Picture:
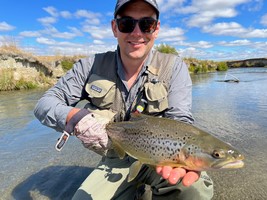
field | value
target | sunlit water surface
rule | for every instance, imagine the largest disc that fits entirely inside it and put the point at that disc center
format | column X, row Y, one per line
column 30, row 168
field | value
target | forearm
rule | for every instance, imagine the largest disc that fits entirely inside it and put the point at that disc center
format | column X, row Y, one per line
column 52, row 111
column 180, row 94
column 57, row 103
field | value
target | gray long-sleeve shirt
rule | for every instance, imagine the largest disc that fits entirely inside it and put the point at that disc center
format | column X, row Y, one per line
column 53, row 107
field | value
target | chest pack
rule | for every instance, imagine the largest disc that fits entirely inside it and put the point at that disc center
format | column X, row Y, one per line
column 104, row 86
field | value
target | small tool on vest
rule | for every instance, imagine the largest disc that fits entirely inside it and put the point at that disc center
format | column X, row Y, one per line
column 140, row 107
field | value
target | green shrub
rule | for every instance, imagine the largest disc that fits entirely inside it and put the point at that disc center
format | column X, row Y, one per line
column 7, row 81
column 222, row 66
column 67, row 65
column 164, row 48
column 22, row 84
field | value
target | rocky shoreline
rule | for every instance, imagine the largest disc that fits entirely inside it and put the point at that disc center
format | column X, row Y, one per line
column 22, row 67
column 253, row 62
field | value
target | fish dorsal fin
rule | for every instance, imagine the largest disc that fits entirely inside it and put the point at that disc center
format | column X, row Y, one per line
column 137, row 116
column 134, row 170
column 121, row 153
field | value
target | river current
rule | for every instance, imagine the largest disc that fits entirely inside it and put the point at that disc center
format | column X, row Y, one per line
column 30, row 168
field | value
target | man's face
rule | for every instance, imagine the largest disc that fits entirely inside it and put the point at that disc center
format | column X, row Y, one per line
column 136, row 45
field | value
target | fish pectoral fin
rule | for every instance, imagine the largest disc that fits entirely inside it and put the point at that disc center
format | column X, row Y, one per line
column 121, row 153
column 134, row 170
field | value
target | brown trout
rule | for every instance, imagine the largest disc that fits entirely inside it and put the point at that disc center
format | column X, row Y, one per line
column 165, row 142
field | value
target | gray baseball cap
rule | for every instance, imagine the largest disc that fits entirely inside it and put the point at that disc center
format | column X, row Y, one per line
column 121, row 3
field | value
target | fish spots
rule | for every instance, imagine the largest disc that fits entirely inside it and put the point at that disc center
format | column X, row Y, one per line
column 192, row 149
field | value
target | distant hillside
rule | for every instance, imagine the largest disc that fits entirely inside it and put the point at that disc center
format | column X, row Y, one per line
column 254, row 62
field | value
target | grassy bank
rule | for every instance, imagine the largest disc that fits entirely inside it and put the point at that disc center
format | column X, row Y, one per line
column 23, row 70
column 205, row 66
column 8, row 81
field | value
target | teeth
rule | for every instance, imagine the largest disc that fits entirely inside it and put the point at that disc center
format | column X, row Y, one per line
column 136, row 42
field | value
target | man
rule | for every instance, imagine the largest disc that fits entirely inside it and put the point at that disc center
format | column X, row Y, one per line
column 116, row 84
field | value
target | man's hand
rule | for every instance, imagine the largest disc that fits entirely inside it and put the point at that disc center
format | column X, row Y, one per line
column 91, row 131
column 173, row 175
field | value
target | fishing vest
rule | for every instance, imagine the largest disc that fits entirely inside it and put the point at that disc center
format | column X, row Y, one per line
column 104, row 86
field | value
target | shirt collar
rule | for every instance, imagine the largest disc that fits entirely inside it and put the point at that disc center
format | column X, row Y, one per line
column 120, row 69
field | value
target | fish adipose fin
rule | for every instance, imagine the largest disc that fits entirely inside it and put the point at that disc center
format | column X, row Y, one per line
column 134, row 170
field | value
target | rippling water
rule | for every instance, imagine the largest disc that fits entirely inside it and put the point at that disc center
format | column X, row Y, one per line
column 234, row 112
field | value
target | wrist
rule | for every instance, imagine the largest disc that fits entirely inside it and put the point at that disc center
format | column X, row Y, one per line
column 73, row 118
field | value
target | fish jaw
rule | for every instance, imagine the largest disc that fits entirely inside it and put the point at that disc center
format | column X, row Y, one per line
column 234, row 165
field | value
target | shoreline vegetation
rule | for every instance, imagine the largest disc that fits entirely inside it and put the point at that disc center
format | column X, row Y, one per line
column 23, row 70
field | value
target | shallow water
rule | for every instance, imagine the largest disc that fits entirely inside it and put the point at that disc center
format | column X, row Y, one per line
column 235, row 112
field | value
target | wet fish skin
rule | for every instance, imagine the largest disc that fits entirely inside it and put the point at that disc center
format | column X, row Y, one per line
column 161, row 141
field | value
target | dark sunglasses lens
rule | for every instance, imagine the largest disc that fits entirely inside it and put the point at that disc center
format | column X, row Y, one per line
column 126, row 25
column 147, row 25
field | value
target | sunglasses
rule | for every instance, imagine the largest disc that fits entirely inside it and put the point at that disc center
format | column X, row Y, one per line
column 127, row 24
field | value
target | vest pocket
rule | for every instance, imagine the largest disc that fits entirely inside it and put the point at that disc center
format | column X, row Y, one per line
column 156, row 94
column 100, row 91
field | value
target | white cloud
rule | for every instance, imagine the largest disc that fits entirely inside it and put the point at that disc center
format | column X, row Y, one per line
column 47, row 20
column 234, row 29
column 203, row 12
column 255, row 5
column 30, row 34
column 71, row 48
column 264, row 20
column 6, row 27
column 98, row 42
column 75, row 31
column 52, row 31
column 47, row 41
column 66, row 14
column 98, row 32
column 170, row 34
column 235, row 43
column 195, row 45
column 166, row 5
column 87, row 14
column 51, row 10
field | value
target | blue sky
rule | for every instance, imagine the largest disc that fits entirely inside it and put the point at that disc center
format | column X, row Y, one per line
column 204, row 29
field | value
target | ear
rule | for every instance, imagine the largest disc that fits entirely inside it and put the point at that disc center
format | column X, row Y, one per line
column 114, row 28
column 157, row 30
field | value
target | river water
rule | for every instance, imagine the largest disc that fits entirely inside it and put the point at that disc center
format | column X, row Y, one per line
column 30, row 168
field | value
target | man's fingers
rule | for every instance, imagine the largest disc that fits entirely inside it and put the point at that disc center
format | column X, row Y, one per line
column 159, row 170
column 189, row 178
column 173, row 175
column 166, row 171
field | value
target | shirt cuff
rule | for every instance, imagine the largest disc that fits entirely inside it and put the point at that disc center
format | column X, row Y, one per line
column 74, row 120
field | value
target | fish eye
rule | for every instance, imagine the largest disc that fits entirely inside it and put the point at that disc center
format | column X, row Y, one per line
column 218, row 154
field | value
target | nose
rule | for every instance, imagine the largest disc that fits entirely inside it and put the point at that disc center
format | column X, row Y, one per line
column 137, row 30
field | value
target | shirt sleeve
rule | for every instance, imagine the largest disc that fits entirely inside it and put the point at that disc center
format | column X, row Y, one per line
column 53, row 107
column 180, row 93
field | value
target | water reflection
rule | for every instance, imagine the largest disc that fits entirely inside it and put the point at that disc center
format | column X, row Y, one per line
column 16, row 106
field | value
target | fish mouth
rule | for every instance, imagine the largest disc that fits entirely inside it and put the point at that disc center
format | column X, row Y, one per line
column 233, row 165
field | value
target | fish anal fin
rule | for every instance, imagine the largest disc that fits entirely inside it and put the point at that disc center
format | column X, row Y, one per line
column 134, row 170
